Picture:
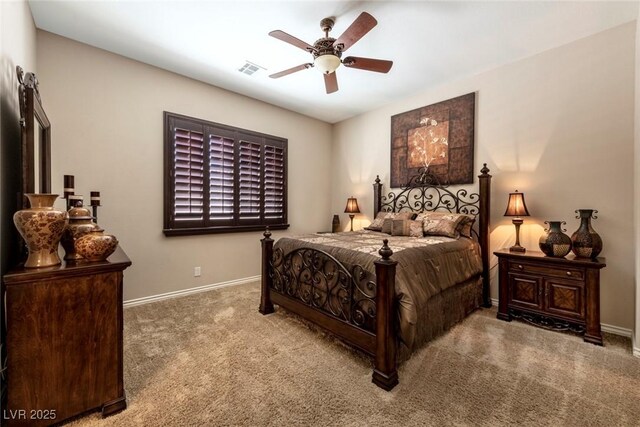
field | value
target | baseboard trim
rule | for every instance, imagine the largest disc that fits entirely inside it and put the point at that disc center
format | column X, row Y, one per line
column 636, row 346
column 616, row 330
column 189, row 291
column 610, row 329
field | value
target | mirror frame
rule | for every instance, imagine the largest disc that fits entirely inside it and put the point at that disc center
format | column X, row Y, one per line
column 31, row 111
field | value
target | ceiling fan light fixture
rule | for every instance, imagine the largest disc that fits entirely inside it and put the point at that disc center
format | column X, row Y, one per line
column 327, row 64
column 327, row 51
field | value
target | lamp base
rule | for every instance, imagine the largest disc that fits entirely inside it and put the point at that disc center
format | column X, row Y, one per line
column 517, row 248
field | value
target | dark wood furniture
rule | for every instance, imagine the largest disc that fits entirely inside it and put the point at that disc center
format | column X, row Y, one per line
column 423, row 193
column 64, row 343
column 555, row 293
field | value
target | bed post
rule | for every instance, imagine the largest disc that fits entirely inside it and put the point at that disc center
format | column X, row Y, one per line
column 385, row 373
column 485, row 213
column 377, row 196
column 266, row 306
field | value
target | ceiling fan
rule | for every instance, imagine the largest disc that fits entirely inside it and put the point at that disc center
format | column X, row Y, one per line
column 327, row 51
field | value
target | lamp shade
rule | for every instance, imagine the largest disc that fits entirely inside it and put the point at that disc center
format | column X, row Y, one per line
column 516, row 205
column 352, row 206
column 326, row 64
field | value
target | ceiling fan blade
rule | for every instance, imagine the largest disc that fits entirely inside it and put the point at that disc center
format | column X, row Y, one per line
column 291, row 70
column 369, row 64
column 361, row 26
column 331, row 82
column 281, row 35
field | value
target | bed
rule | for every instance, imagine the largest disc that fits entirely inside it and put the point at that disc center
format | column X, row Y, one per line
column 386, row 295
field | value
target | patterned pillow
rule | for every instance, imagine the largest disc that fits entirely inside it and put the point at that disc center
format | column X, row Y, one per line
column 376, row 225
column 406, row 227
column 465, row 225
column 441, row 223
column 387, row 225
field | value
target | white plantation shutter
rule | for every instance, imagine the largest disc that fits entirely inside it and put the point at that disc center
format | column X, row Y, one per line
column 222, row 179
column 188, row 175
column 249, row 182
column 274, row 182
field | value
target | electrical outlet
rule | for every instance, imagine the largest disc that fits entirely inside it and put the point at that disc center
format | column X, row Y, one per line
column 196, row 272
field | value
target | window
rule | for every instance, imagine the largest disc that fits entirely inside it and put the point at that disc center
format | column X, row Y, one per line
column 222, row 179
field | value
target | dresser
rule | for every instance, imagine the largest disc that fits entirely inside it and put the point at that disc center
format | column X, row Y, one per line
column 64, row 341
column 555, row 293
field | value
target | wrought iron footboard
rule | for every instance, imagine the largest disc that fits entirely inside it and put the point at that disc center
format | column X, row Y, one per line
column 318, row 280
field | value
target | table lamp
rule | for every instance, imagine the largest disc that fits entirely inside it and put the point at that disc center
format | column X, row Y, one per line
column 516, row 207
column 352, row 209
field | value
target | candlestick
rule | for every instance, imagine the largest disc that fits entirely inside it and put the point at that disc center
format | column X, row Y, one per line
column 69, row 188
column 95, row 202
column 95, row 198
column 75, row 200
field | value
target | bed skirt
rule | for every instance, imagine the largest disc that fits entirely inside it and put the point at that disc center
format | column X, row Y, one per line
column 442, row 312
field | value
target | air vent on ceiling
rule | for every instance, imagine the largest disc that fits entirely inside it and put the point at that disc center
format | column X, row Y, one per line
column 250, row 68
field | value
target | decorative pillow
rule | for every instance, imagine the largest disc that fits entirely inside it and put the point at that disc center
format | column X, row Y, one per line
column 404, row 215
column 441, row 223
column 465, row 226
column 387, row 225
column 376, row 225
column 406, row 227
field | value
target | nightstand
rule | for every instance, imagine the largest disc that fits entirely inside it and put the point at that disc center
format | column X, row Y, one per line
column 555, row 293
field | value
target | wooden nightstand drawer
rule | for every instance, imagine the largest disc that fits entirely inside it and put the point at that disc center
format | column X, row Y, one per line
column 546, row 270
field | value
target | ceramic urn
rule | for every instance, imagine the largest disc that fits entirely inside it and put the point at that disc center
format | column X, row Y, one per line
column 80, row 223
column 41, row 226
column 95, row 245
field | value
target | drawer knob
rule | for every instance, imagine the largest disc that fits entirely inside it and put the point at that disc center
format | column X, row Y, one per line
column 568, row 273
column 520, row 266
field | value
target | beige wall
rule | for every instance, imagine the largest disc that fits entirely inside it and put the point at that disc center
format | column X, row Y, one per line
column 557, row 126
column 106, row 113
column 17, row 47
column 636, row 192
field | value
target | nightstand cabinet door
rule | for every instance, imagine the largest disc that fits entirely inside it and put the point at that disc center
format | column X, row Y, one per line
column 525, row 291
column 565, row 298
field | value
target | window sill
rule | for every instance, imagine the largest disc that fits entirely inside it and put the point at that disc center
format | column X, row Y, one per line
column 169, row 232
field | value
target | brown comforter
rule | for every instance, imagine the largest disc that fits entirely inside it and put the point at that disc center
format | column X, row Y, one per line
column 426, row 266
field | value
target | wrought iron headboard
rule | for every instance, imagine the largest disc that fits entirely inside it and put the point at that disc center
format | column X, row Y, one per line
column 425, row 193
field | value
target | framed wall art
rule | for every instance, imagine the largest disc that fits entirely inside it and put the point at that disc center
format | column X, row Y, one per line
column 439, row 137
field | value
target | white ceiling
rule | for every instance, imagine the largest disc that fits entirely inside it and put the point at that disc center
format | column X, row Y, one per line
column 429, row 42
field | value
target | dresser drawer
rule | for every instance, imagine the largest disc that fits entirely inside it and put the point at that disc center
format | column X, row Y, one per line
column 546, row 270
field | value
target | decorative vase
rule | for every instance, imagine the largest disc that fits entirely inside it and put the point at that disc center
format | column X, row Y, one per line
column 41, row 227
column 95, row 245
column 555, row 243
column 80, row 223
column 335, row 224
column 586, row 242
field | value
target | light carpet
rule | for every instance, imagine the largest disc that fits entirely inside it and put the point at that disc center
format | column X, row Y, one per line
column 211, row 359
